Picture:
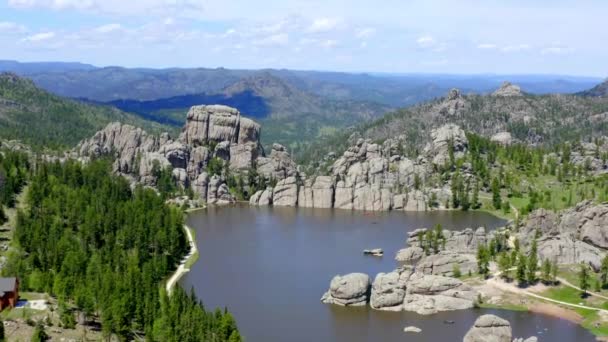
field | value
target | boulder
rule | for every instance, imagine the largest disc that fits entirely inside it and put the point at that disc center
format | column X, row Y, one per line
column 348, row 290
column 410, row 254
column 444, row 263
column 429, row 294
column 489, row 328
column 286, row 193
column 412, row 329
column 388, row 290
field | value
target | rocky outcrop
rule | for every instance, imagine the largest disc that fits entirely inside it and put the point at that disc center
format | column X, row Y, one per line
column 489, row 328
column 445, row 262
column 572, row 236
column 429, row 294
column 285, row 193
column 388, row 290
column 212, row 131
column 348, row 290
column 507, row 90
column 410, row 254
column 446, row 138
column 402, row 289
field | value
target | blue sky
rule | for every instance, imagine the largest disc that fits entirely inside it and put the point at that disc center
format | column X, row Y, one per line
column 432, row 36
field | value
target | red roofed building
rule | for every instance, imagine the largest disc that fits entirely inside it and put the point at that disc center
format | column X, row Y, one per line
column 9, row 292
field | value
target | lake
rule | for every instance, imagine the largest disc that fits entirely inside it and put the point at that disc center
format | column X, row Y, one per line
column 270, row 267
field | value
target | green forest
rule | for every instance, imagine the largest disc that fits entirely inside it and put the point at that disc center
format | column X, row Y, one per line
column 103, row 250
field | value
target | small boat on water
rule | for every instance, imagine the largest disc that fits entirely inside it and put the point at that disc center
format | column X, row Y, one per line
column 448, row 322
column 374, row 252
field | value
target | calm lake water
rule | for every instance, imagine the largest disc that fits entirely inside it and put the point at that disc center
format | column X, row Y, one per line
column 270, row 266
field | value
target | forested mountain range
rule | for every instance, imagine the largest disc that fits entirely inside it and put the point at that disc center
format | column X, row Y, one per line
column 295, row 107
column 43, row 120
column 600, row 90
column 534, row 119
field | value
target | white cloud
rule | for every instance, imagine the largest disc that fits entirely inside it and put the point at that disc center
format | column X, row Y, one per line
column 555, row 50
column 487, row 46
column 108, row 28
column 365, row 33
column 11, row 27
column 38, row 37
column 425, row 41
column 329, row 43
column 515, row 48
column 273, row 40
column 323, row 25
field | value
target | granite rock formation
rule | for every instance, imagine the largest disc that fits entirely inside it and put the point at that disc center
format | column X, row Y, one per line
column 212, row 131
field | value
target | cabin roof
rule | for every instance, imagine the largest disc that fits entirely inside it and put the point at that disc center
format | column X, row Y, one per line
column 7, row 285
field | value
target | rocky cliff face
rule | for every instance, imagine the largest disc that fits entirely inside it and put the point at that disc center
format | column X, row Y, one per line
column 211, row 132
column 370, row 176
column 572, row 236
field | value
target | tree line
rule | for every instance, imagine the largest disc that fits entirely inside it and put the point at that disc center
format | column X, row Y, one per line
column 104, row 250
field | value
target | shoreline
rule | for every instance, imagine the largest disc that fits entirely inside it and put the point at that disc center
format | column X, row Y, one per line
column 186, row 263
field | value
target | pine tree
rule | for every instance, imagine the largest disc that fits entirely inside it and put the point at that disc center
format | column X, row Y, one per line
column 546, row 272
column 475, row 200
column 604, row 271
column 583, row 278
column 522, row 265
column 496, row 199
column 504, row 265
column 532, row 263
column 483, row 260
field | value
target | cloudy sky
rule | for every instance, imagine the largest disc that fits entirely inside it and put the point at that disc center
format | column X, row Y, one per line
column 430, row 36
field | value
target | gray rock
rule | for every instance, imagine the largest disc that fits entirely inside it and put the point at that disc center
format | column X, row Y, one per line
column 507, row 90
column 489, row 328
column 441, row 138
column 429, row 294
column 199, row 185
column 348, row 290
column 323, row 192
column 388, row 290
column 444, row 263
column 286, row 193
column 410, row 254
column 412, row 329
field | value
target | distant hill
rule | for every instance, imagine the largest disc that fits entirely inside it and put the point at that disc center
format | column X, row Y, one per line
column 600, row 90
column 289, row 115
column 42, row 67
column 545, row 120
column 47, row 121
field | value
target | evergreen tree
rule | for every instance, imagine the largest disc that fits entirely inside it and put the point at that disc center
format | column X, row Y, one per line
column 475, row 200
column 504, row 265
column 604, row 272
column 456, row 273
column 583, row 278
column 522, row 265
column 496, row 199
column 546, row 272
column 483, row 260
column 532, row 263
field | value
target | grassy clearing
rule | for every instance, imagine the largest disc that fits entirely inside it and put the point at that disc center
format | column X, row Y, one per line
column 592, row 320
